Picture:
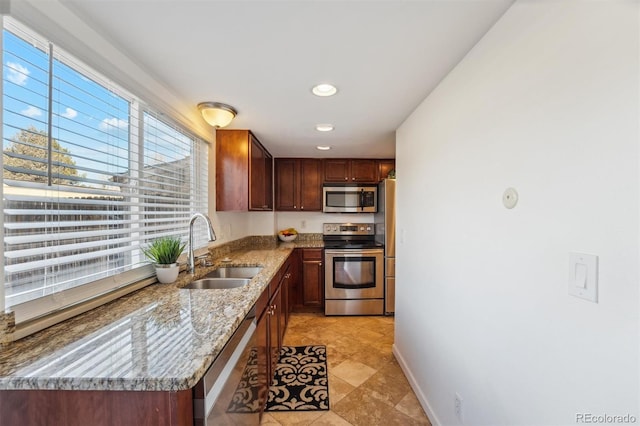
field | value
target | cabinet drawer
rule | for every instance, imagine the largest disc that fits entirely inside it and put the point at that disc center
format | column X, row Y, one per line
column 312, row 254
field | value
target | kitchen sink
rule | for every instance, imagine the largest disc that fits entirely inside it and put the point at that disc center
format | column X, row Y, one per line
column 217, row 283
column 235, row 272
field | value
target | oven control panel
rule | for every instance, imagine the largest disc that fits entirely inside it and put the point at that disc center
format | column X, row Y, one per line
column 348, row 229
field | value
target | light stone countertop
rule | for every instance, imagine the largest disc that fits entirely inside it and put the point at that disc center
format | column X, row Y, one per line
column 159, row 338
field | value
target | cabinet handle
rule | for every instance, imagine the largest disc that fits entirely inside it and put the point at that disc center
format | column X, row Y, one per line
column 353, row 178
column 294, row 206
column 301, row 207
column 319, row 263
column 346, row 178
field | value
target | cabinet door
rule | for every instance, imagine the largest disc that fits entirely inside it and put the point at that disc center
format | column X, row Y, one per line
column 275, row 336
column 286, row 184
column 364, row 171
column 257, row 173
column 312, row 278
column 232, row 170
column 295, row 283
column 263, row 358
column 310, row 187
column 268, row 180
column 336, row 170
column 384, row 167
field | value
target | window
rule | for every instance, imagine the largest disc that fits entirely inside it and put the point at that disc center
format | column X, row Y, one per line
column 89, row 175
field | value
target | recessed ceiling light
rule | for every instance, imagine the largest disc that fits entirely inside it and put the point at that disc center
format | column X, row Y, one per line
column 324, row 89
column 323, row 147
column 324, row 127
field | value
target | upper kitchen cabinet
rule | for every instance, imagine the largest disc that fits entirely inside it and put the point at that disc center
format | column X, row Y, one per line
column 298, row 184
column 243, row 172
column 384, row 167
column 341, row 170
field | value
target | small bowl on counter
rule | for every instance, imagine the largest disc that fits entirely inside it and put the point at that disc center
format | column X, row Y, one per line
column 287, row 238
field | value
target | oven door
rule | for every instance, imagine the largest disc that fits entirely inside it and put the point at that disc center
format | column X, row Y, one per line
column 354, row 274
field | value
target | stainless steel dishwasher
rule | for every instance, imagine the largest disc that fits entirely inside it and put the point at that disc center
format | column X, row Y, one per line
column 228, row 392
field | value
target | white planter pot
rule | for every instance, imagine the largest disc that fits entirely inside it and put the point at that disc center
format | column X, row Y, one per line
column 167, row 273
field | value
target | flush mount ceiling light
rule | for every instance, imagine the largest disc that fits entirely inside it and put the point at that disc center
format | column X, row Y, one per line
column 324, row 127
column 323, row 147
column 324, row 89
column 216, row 114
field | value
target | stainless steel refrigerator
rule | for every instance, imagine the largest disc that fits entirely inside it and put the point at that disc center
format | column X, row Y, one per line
column 385, row 221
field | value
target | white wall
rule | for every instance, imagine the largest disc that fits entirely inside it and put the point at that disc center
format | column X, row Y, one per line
column 547, row 103
column 311, row 222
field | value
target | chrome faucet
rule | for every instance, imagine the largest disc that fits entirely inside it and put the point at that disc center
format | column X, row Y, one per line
column 191, row 267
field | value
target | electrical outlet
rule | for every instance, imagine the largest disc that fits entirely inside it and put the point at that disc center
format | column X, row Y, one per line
column 458, row 407
column 303, row 224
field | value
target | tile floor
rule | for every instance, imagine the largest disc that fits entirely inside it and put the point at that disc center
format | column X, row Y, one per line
column 366, row 384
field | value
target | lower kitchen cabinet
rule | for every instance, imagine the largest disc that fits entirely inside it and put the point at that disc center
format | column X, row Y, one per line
column 263, row 358
column 275, row 334
column 271, row 311
column 312, row 278
column 306, row 286
column 295, row 281
column 108, row 408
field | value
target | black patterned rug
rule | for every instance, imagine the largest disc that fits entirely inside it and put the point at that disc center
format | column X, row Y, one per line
column 300, row 382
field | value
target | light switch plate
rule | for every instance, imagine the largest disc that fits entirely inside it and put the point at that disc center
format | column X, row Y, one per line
column 583, row 276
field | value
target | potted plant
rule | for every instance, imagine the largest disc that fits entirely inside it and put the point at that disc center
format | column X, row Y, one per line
column 164, row 253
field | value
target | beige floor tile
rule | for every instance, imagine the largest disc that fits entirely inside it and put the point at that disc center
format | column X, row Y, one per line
column 338, row 389
column 374, row 358
column 410, row 406
column 387, row 388
column 353, row 372
column 365, row 335
column 331, row 419
column 268, row 420
column 297, row 418
column 361, row 408
column 366, row 384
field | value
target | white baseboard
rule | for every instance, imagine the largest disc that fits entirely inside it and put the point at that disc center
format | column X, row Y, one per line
column 416, row 389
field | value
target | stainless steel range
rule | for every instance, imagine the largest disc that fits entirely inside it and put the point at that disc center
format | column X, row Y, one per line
column 354, row 270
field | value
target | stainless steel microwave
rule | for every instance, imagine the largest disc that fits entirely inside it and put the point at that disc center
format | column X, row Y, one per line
column 350, row 199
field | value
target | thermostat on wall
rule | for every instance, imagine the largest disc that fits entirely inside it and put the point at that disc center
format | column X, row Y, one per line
column 510, row 198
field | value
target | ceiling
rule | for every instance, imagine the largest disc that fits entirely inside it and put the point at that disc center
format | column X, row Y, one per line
column 263, row 57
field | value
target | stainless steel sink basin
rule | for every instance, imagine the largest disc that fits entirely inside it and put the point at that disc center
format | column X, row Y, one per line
column 217, row 283
column 235, row 272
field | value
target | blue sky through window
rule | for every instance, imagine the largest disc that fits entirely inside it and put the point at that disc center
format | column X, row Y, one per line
column 89, row 120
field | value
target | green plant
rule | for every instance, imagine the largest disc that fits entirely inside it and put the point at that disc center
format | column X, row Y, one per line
column 165, row 250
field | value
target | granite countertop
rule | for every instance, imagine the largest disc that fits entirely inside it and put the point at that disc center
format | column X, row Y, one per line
column 159, row 338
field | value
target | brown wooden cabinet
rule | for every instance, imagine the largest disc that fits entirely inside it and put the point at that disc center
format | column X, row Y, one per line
column 384, row 167
column 271, row 311
column 263, row 354
column 306, row 289
column 295, row 281
column 312, row 278
column 244, row 170
column 350, row 170
column 298, row 184
column 98, row 407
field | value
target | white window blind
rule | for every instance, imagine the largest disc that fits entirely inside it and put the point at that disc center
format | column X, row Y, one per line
column 88, row 177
